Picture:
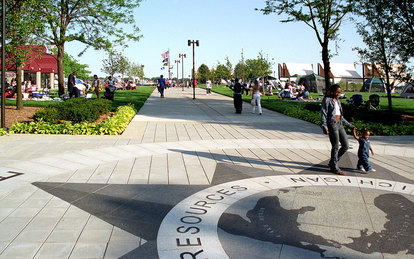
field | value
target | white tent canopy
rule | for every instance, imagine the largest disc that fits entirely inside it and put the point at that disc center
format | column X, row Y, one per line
column 345, row 71
column 300, row 69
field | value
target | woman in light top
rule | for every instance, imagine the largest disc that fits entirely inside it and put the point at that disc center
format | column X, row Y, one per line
column 256, row 93
column 332, row 125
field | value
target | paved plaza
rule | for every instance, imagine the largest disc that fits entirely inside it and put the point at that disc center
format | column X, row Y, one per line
column 192, row 179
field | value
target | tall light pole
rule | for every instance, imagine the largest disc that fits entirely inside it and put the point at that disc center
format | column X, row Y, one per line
column 176, row 63
column 182, row 56
column 3, row 66
column 197, row 43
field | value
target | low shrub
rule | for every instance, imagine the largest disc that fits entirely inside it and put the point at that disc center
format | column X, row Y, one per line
column 112, row 126
column 2, row 132
column 379, row 122
column 76, row 110
column 377, row 128
column 49, row 114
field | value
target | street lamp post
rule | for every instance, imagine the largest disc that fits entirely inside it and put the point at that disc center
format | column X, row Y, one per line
column 182, row 56
column 3, row 66
column 197, row 43
column 176, row 63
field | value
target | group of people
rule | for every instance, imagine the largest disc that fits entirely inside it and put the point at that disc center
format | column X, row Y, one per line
column 300, row 92
column 11, row 88
column 256, row 91
column 332, row 119
column 162, row 84
column 78, row 90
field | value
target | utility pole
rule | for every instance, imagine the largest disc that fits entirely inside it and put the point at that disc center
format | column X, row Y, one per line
column 182, row 56
column 3, row 65
column 197, row 43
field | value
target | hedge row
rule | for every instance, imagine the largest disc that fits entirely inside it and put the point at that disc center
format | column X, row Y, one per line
column 76, row 110
column 114, row 125
column 385, row 123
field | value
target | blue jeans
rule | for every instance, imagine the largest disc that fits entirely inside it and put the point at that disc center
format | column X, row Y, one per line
column 161, row 91
column 363, row 162
column 337, row 135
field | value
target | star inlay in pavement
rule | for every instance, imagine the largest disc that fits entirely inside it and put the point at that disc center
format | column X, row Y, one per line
column 334, row 218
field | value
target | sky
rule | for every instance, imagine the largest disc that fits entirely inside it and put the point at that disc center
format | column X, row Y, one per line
column 224, row 28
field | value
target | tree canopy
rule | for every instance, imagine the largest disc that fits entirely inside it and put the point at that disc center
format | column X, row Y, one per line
column 241, row 69
column 222, row 71
column 96, row 23
column 110, row 64
column 22, row 24
column 203, row 72
column 381, row 32
column 258, row 67
column 70, row 64
column 324, row 17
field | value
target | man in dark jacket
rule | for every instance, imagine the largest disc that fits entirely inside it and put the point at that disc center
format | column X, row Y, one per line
column 237, row 95
column 71, row 84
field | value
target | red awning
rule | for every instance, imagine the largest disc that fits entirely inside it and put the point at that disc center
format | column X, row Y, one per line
column 39, row 61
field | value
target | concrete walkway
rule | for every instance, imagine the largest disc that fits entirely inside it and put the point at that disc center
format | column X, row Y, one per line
column 171, row 142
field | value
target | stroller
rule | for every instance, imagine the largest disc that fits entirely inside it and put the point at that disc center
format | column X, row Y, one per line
column 110, row 92
column 356, row 100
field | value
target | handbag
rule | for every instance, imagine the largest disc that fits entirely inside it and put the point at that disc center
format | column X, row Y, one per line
column 253, row 102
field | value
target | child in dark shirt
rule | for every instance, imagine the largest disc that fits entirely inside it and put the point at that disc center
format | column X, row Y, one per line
column 363, row 151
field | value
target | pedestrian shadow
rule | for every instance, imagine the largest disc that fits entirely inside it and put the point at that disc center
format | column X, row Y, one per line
column 347, row 163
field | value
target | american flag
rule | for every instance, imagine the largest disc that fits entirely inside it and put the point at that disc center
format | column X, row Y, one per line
column 165, row 54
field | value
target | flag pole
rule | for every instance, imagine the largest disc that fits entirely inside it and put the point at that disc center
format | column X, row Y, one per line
column 169, row 75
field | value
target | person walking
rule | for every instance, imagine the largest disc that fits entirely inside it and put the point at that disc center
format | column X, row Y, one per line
column 237, row 95
column 71, row 84
column 363, row 151
column 332, row 125
column 96, row 85
column 208, row 86
column 161, row 85
column 256, row 93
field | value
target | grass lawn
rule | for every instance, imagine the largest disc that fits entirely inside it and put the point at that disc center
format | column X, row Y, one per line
column 398, row 104
column 122, row 97
column 379, row 122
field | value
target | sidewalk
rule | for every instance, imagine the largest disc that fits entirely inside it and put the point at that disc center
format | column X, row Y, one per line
column 113, row 196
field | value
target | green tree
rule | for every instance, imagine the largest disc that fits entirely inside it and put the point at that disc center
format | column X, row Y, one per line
column 203, row 73
column 96, row 23
column 324, row 17
column 379, row 33
column 222, row 72
column 403, row 24
column 22, row 24
column 229, row 67
column 70, row 64
column 259, row 66
column 110, row 64
column 213, row 74
column 123, row 65
column 136, row 70
column 241, row 69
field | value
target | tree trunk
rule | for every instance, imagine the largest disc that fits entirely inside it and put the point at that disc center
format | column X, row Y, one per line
column 61, row 73
column 388, row 87
column 326, row 64
column 19, row 94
